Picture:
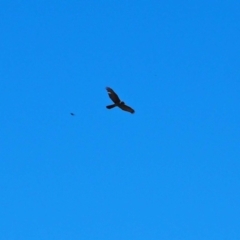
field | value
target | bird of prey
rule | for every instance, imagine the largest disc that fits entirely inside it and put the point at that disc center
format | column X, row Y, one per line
column 117, row 102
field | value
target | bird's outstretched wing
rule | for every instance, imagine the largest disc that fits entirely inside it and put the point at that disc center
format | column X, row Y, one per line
column 126, row 108
column 113, row 95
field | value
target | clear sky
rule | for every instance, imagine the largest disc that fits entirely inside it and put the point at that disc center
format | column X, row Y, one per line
column 170, row 171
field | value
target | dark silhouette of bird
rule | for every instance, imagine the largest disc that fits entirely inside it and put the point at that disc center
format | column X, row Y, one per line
column 73, row 114
column 117, row 102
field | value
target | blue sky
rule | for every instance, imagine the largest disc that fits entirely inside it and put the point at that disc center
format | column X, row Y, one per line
column 169, row 171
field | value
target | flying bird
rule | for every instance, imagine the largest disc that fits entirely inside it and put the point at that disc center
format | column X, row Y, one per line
column 117, row 102
column 73, row 114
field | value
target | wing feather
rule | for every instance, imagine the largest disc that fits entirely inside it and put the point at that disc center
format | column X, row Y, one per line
column 126, row 108
column 114, row 97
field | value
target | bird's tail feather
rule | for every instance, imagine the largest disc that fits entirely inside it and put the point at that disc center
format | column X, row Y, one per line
column 111, row 106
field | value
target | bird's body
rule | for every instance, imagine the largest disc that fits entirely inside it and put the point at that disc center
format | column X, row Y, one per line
column 117, row 102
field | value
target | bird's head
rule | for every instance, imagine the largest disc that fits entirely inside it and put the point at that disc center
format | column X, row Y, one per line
column 123, row 103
